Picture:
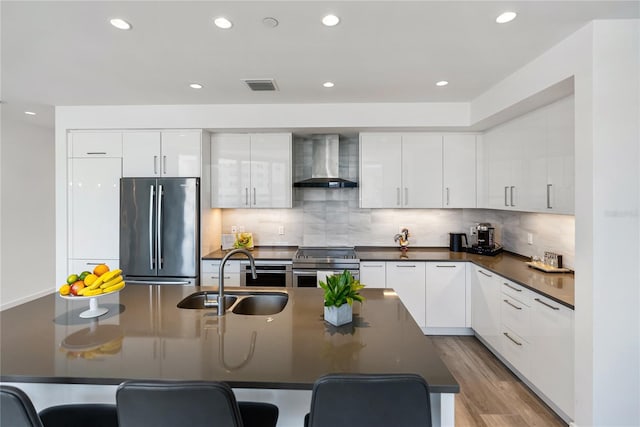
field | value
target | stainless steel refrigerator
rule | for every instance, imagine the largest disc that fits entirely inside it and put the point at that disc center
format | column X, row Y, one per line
column 160, row 230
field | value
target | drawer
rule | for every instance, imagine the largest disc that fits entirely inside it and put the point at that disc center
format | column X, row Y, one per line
column 212, row 266
column 516, row 350
column 211, row 278
column 77, row 266
column 515, row 291
column 96, row 144
column 515, row 315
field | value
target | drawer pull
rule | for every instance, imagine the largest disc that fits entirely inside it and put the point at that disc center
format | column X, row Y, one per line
column 446, row 266
column 512, row 305
column 511, row 287
column 96, row 153
column 406, row 266
column 372, row 266
column 548, row 305
column 486, row 274
column 514, row 341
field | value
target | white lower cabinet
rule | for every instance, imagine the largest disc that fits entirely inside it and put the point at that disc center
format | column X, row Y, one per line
column 515, row 315
column 485, row 306
column 373, row 274
column 210, row 273
column 552, row 351
column 408, row 280
column 445, row 294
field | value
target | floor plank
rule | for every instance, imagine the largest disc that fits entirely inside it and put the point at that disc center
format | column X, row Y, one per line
column 490, row 394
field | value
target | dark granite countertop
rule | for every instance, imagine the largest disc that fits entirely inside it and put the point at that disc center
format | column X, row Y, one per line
column 557, row 286
column 145, row 336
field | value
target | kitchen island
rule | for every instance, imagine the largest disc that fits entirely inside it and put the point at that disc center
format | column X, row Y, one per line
column 58, row 357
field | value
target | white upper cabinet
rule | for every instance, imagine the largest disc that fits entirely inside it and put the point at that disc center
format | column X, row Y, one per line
column 162, row 154
column 95, row 144
column 251, row 170
column 380, row 170
column 400, row 170
column 529, row 161
column 459, row 171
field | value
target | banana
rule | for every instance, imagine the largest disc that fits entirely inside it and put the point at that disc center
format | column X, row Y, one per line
column 97, row 282
column 111, row 282
column 115, row 287
column 110, row 275
column 90, row 293
column 82, row 291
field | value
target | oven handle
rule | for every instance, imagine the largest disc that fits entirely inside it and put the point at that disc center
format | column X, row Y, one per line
column 267, row 271
column 304, row 272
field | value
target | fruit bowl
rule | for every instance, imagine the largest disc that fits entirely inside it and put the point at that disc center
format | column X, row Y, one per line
column 94, row 310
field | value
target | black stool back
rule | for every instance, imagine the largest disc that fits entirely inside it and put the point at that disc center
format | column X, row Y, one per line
column 16, row 409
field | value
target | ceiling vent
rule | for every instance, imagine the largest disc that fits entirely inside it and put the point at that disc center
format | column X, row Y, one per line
column 259, row 85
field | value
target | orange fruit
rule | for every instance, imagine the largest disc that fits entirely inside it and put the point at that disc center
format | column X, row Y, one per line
column 90, row 279
column 65, row 289
column 100, row 269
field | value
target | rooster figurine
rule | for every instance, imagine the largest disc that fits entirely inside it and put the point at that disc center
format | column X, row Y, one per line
column 403, row 239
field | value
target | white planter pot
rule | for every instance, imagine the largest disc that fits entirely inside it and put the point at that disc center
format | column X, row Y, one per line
column 339, row 315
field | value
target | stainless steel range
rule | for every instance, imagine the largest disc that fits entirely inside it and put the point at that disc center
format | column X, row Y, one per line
column 311, row 262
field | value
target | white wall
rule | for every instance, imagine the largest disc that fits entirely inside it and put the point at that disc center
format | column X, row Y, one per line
column 27, row 218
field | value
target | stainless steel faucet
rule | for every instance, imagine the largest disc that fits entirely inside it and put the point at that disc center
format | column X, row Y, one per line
column 221, row 307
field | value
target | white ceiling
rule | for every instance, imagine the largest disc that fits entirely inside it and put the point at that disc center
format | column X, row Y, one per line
column 67, row 53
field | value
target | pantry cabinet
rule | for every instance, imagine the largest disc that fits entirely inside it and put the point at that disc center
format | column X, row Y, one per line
column 408, row 280
column 170, row 153
column 95, row 144
column 251, row 170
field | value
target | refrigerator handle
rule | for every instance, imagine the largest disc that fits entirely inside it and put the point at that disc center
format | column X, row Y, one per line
column 159, row 222
column 151, row 204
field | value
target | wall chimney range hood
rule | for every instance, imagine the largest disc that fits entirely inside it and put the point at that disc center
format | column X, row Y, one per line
column 325, row 165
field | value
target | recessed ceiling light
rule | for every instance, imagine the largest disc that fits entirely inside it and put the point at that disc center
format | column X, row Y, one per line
column 223, row 23
column 270, row 22
column 330, row 20
column 506, row 17
column 328, row 84
column 30, row 113
column 442, row 83
column 120, row 24
column 195, row 86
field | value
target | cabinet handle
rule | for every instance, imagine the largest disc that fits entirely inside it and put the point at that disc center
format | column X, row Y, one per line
column 164, row 164
column 246, row 196
column 155, row 165
column 254, row 196
column 506, row 190
column 511, row 287
column 549, row 196
column 511, row 191
column 512, row 305
column 514, row 341
column 486, row 274
column 93, row 263
column 398, row 196
column 370, row 265
column 406, row 196
column 96, row 153
column 405, row 266
column 448, row 196
column 548, row 305
column 446, row 266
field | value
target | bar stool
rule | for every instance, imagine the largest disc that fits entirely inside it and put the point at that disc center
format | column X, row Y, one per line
column 193, row 403
column 16, row 409
column 80, row 415
column 370, row 400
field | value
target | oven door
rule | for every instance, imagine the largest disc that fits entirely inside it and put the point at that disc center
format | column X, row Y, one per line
column 305, row 278
column 276, row 275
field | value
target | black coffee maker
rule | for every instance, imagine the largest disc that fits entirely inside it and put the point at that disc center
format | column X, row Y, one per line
column 486, row 244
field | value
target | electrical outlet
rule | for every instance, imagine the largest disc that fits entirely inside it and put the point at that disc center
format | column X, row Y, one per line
column 281, row 230
column 241, row 228
column 530, row 238
column 234, row 229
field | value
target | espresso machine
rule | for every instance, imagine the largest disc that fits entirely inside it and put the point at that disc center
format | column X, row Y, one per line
column 486, row 244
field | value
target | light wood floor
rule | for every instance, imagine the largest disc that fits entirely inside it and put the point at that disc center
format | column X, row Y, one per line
column 490, row 395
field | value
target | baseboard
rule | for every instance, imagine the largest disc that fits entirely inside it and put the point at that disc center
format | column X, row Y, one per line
column 447, row 331
column 24, row 299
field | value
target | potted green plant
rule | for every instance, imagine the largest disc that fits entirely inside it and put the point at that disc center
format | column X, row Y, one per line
column 340, row 291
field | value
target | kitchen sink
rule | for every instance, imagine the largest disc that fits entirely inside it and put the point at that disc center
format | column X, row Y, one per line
column 247, row 303
column 264, row 304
